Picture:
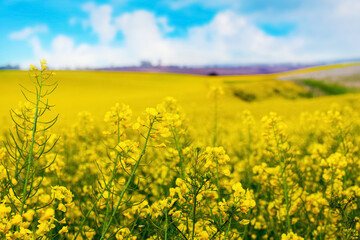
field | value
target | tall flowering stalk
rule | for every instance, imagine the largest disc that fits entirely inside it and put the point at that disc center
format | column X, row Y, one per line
column 29, row 140
column 33, row 211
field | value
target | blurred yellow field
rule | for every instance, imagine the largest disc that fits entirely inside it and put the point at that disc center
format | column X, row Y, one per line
column 96, row 91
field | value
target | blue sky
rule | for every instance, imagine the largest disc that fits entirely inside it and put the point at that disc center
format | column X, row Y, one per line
column 72, row 34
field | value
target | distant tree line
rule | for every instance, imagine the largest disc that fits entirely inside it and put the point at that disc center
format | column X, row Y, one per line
column 9, row 67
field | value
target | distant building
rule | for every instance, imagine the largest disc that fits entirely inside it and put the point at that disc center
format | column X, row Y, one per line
column 145, row 64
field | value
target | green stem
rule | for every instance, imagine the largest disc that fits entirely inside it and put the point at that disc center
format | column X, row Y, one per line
column 228, row 229
column 245, row 232
column 109, row 199
column 31, row 153
column 220, row 229
column 282, row 163
column 177, row 143
column 244, row 236
column 195, row 195
column 217, row 180
column 96, row 201
column 323, row 235
column 166, row 226
column 107, row 225
column 194, row 215
column 286, row 194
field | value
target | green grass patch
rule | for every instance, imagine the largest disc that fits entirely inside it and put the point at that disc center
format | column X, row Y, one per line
column 263, row 89
column 326, row 88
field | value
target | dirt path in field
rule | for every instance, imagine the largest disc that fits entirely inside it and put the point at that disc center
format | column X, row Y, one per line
column 331, row 73
column 346, row 76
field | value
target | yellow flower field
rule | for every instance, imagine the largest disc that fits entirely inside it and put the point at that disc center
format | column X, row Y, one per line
column 166, row 156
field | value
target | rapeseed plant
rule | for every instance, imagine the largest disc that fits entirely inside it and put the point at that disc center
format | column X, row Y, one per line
column 28, row 209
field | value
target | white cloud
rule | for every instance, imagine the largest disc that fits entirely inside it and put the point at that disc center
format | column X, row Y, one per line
column 143, row 38
column 101, row 21
column 28, row 31
column 229, row 38
column 65, row 54
column 163, row 23
column 327, row 28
